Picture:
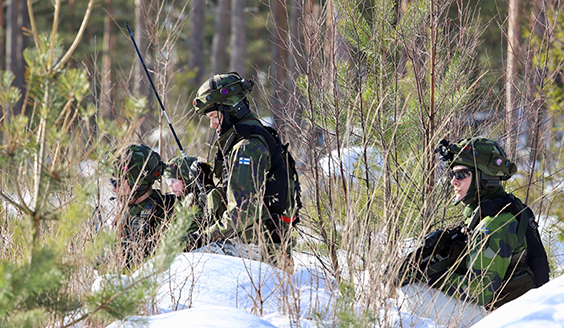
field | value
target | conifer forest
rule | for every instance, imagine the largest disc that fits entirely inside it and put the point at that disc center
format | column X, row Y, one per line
column 362, row 90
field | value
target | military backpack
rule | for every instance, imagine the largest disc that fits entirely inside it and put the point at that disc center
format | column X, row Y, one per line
column 282, row 194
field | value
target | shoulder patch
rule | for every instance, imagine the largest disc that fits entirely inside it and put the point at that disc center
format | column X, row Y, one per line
column 244, row 161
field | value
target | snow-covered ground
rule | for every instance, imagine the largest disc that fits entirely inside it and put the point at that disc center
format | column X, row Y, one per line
column 210, row 290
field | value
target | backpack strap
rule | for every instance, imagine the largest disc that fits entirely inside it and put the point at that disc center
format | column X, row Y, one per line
column 247, row 130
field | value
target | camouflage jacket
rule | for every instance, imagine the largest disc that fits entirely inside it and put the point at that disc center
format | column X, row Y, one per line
column 143, row 223
column 491, row 245
column 237, row 203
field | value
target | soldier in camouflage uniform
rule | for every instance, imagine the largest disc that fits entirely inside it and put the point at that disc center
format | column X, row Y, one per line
column 146, row 210
column 244, row 225
column 494, row 251
column 179, row 177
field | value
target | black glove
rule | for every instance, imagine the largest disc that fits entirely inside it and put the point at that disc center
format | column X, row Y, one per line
column 192, row 241
column 201, row 173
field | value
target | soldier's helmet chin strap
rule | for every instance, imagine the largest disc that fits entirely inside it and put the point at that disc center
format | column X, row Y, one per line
column 231, row 115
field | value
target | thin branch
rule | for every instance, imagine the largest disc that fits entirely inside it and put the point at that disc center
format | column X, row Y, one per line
column 78, row 37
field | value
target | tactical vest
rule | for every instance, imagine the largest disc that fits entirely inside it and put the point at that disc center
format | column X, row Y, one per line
column 282, row 190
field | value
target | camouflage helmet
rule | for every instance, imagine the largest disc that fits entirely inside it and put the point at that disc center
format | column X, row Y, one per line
column 221, row 89
column 178, row 167
column 484, row 154
column 140, row 164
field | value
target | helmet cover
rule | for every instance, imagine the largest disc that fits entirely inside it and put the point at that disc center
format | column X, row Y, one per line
column 484, row 154
column 178, row 168
column 139, row 164
column 221, row 89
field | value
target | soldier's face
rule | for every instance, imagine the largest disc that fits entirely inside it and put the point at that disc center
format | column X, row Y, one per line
column 176, row 186
column 461, row 186
column 215, row 120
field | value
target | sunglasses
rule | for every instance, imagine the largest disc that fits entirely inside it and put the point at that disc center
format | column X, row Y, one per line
column 460, row 174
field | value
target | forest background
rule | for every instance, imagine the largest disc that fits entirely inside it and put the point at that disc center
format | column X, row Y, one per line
column 378, row 81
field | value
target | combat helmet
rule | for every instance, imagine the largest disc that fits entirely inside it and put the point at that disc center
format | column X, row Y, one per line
column 140, row 165
column 178, row 168
column 483, row 154
column 227, row 89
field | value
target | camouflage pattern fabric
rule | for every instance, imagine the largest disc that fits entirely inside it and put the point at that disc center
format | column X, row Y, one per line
column 238, row 204
column 197, row 219
column 221, row 89
column 140, row 165
column 491, row 247
column 246, row 163
column 143, row 224
column 178, row 168
column 216, row 202
column 485, row 155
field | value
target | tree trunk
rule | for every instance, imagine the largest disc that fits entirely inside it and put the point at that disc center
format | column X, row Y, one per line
column 16, row 18
column 106, row 94
column 511, row 105
column 239, row 37
column 196, row 49
column 2, row 35
column 294, row 39
column 278, row 65
column 293, row 61
column 311, row 35
column 140, row 83
column 219, row 62
column 538, row 126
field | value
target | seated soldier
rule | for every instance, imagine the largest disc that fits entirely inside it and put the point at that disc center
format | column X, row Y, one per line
column 504, row 256
column 145, row 210
column 181, row 182
column 177, row 176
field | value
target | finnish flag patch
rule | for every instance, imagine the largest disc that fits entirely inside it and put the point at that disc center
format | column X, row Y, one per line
column 244, row 161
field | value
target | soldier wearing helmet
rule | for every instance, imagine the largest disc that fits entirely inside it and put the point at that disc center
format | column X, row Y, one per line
column 497, row 265
column 244, row 226
column 177, row 175
column 146, row 210
column 181, row 179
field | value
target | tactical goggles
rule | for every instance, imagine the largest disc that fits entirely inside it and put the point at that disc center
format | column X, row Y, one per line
column 460, row 174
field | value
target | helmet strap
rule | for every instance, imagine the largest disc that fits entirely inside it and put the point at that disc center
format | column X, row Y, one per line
column 469, row 195
column 488, row 182
column 232, row 114
column 239, row 110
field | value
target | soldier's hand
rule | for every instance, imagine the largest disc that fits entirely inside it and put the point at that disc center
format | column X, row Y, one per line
column 202, row 174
